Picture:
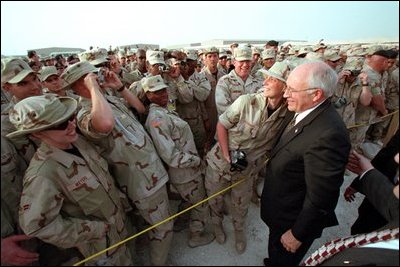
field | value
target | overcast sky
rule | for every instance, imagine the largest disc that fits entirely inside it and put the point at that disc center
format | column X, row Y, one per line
column 31, row 25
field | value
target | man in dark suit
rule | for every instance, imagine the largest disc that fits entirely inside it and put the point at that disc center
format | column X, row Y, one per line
column 379, row 248
column 370, row 219
column 306, row 167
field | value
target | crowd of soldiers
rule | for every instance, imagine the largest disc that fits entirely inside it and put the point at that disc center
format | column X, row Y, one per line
column 151, row 123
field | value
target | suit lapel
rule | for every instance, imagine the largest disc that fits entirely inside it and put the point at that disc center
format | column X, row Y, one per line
column 296, row 130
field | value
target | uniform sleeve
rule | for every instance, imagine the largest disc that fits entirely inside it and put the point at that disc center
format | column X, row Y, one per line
column 160, row 129
column 222, row 96
column 40, row 216
column 201, row 88
column 232, row 114
column 184, row 91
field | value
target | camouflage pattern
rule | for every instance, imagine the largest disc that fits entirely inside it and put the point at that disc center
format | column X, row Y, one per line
column 210, row 102
column 194, row 113
column 12, row 171
column 352, row 94
column 135, row 165
column 178, row 91
column 252, row 131
column 5, row 99
column 392, row 92
column 366, row 115
column 174, row 142
column 24, row 146
column 230, row 87
column 80, row 199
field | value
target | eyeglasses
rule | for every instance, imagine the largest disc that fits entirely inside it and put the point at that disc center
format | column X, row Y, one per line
column 63, row 126
column 291, row 90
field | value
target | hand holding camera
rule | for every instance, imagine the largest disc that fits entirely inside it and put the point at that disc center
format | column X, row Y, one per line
column 238, row 160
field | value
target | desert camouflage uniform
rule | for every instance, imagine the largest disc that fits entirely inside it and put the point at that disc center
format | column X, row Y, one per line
column 174, row 142
column 194, row 113
column 230, row 87
column 135, row 165
column 366, row 115
column 68, row 200
column 178, row 90
column 210, row 102
column 252, row 131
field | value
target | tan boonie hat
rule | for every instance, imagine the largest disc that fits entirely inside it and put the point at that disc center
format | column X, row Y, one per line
column 155, row 57
column 38, row 113
column 153, row 83
column 318, row 46
column 46, row 72
column 304, row 50
column 279, row 70
column 242, row 53
column 268, row 53
column 256, row 50
column 75, row 71
column 14, row 70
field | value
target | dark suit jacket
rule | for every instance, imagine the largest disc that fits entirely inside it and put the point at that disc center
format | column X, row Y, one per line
column 305, row 173
column 379, row 191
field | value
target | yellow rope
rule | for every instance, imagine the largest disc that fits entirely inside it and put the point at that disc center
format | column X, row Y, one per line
column 376, row 121
column 157, row 224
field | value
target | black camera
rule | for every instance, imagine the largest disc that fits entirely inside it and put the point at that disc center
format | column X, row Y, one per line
column 238, row 160
column 163, row 68
column 340, row 102
column 355, row 73
column 101, row 76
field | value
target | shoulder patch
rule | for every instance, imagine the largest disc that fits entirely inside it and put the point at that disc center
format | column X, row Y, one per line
column 156, row 122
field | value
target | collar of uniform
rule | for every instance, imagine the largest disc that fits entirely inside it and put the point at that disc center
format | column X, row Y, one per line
column 58, row 155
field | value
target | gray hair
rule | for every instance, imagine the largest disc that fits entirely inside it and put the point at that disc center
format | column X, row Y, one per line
column 322, row 76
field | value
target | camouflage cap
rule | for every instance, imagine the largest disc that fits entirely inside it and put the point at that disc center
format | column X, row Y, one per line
column 222, row 53
column 38, row 113
column 14, row 70
column 172, row 61
column 356, row 52
column 304, row 50
column 191, row 54
column 75, row 71
column 256, row 50
column 121, row 54
column 46, row 72
column 155, row 57
column 354, row 63
column 95, row 57
column 210, row 50
column 314, row 56
column 331, row 55
column 153, row 83
column 242, row 53
column 268, row 53
column 318, row 46
column 280, row 71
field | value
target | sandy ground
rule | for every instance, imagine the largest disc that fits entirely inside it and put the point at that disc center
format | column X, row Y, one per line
column 215, row 254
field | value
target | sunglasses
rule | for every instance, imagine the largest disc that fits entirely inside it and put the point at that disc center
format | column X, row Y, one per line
column 63, row 126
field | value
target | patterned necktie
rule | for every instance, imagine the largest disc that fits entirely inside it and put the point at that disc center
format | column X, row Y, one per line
column 333, row 247
column 290, row 125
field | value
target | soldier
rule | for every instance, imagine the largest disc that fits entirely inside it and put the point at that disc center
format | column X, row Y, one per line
column 195, row 113
column 249, row 125
column 375, row 68
column 174, row 142
column 13, row 250
column 213, row 74
column 237, row 82
column 133, row 160
column 333, row 59
column 52, row 82
column 268, row 58
column 68, row 198
column 255, row 64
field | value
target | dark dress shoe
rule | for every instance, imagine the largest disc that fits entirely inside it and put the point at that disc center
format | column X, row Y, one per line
column 267, row 262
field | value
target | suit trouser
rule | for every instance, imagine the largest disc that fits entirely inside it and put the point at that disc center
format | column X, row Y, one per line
column 278, row 255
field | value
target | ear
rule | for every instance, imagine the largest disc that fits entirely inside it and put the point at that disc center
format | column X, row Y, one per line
column 318, row 95
column 7, row 87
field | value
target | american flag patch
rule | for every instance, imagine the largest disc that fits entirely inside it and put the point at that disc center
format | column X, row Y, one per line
column 156, row 122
